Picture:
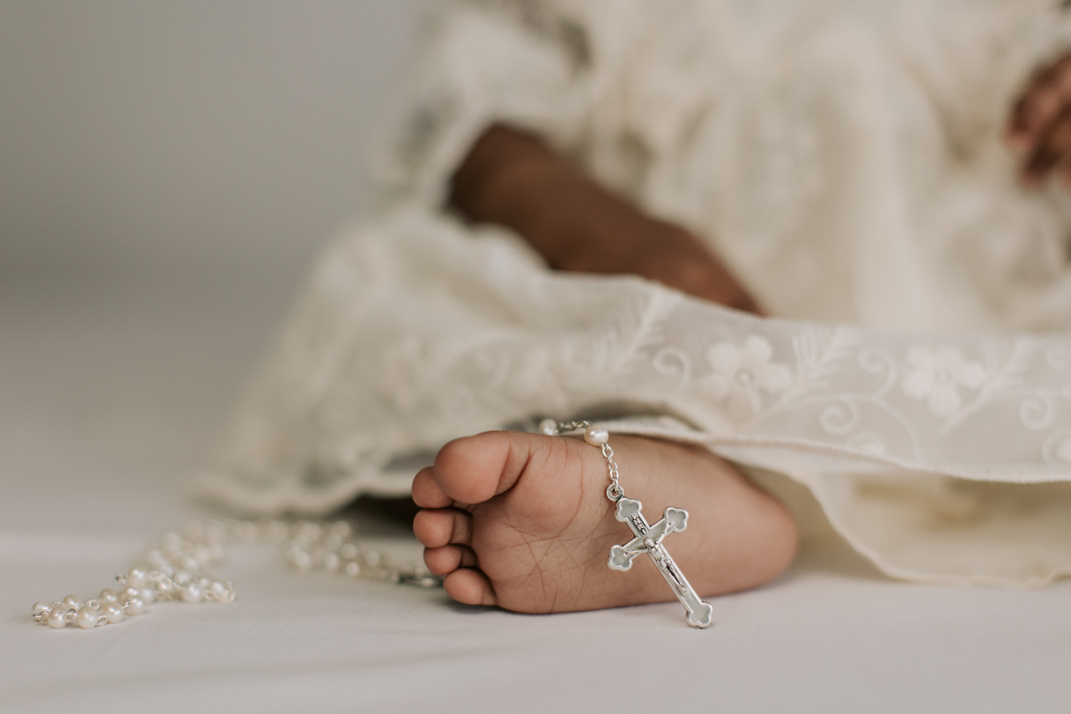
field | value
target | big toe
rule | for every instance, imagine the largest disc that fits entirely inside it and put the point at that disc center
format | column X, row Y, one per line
column 475, row 469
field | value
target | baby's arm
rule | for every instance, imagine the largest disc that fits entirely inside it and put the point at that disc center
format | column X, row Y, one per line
column 1040, row 125
column 513, row 179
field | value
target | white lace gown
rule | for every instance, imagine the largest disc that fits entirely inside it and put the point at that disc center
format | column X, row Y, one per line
column 844, row 158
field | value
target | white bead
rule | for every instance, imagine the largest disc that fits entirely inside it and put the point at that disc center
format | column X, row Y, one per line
column 191, row 593
column 72, row 602
column 108, row 595
column 182, row 577
column 299, row 559
column 135, row 578
column 342, row 529
column 188, row 563
column 129, row 593
column 223, row 591
column 87, row 618
column 548, row 427
column 332, row 541
column 147, row 595
column 57, row 617
column 596, row 436
column 134, row 606
column 41, row 606
column 113, row 612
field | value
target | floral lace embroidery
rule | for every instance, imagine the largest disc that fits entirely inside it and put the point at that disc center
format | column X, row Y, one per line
column 741, row 372
column 936, row 376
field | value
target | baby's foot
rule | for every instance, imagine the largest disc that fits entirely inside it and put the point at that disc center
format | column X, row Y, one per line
column 522, row 521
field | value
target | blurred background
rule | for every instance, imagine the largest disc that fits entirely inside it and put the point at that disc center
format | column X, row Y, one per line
column 167, row 172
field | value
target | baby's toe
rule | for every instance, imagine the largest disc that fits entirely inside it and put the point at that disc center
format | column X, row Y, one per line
column 441, row 526
column 470, row 587
column 475, row 469
column 426, row 493
column 448, row 558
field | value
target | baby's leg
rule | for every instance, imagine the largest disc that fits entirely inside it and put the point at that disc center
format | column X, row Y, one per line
column 522, row 521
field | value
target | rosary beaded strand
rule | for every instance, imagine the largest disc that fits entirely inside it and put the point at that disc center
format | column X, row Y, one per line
column 175, row 568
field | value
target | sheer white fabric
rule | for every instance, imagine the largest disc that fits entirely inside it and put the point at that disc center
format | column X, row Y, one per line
column 843, row 157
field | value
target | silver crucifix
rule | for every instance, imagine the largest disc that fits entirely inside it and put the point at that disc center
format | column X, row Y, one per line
column 649, row 540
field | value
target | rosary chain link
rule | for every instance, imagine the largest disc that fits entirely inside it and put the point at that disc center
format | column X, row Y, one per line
column 614, row 491
column 567, row 426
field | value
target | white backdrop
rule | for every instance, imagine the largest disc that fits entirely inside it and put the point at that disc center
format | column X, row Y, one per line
column 189, row 130
column 167, row 170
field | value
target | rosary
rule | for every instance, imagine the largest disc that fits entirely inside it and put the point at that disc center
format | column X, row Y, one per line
column 175, row 568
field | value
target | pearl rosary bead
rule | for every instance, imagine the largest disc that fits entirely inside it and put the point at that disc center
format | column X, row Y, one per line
column 189, row 563
column 57, row 617
column 596, row 437
column 87, row 618
column 134, row 606
column 191, row 593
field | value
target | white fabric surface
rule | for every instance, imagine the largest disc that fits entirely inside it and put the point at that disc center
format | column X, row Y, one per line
column 845, row 159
